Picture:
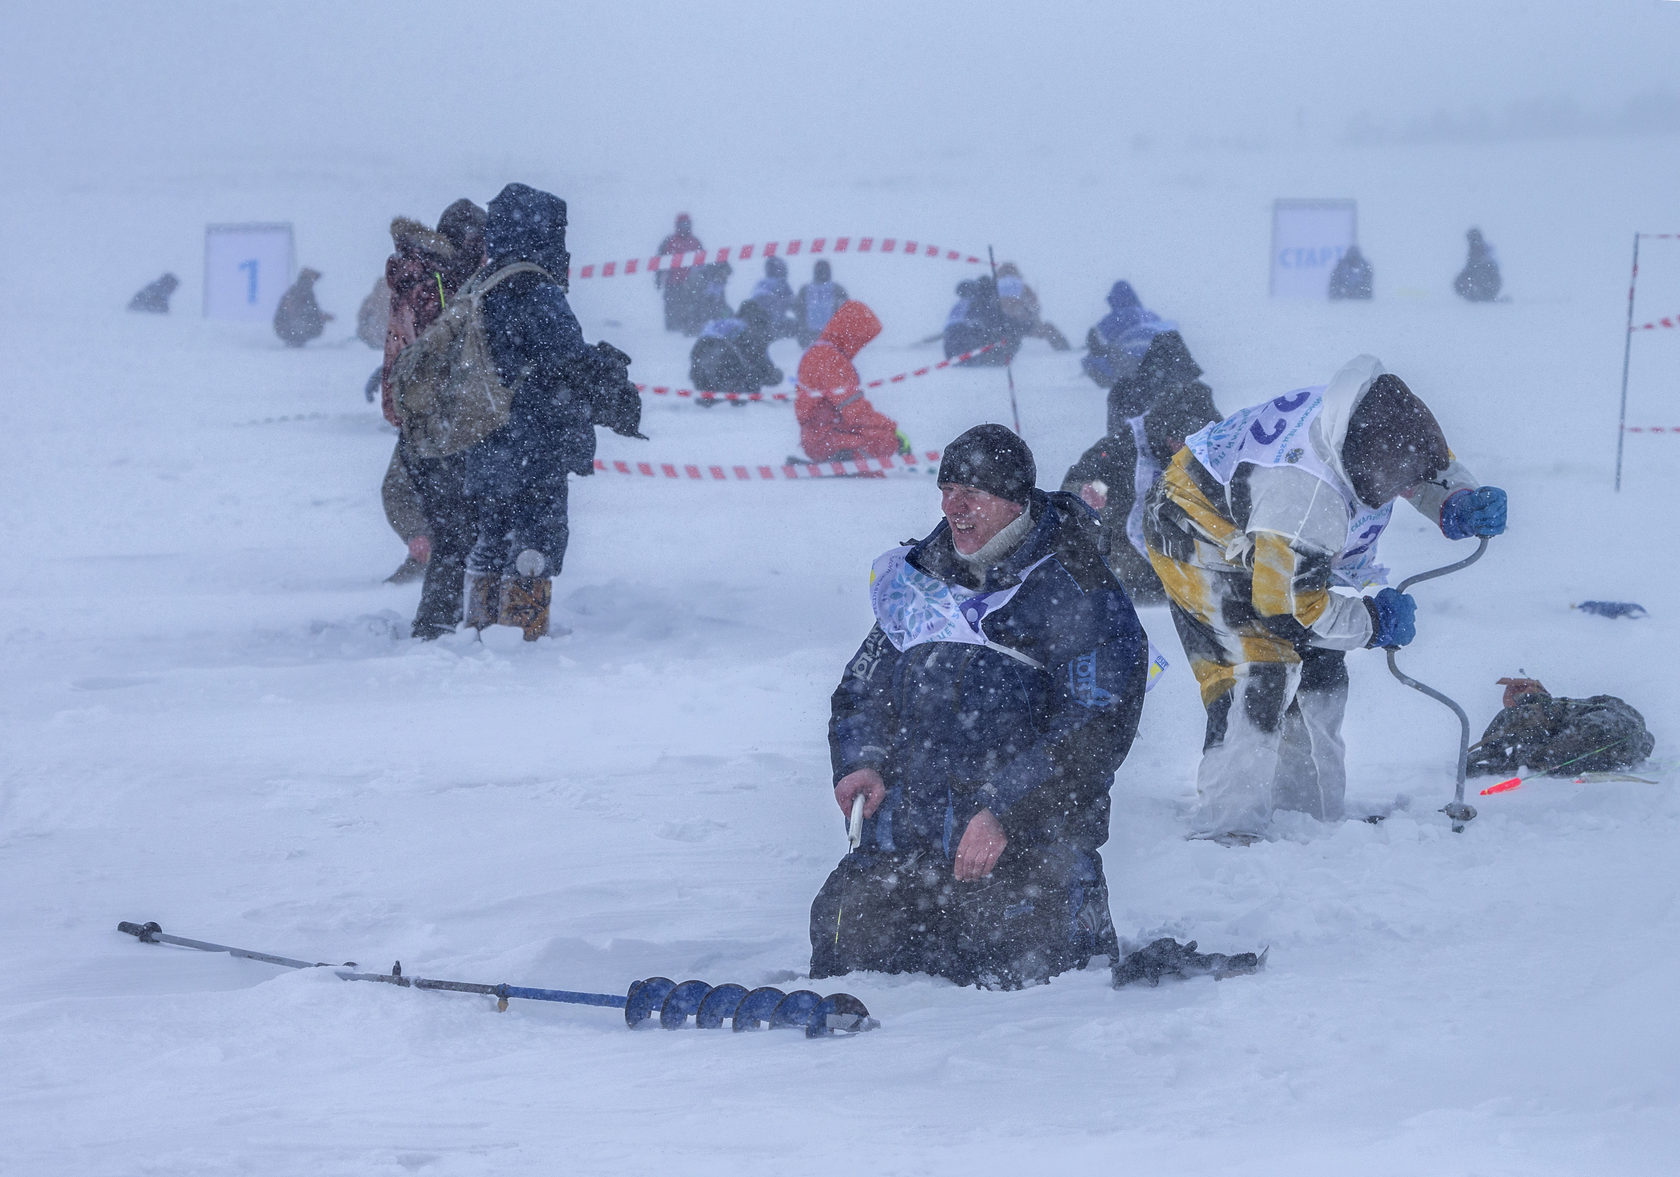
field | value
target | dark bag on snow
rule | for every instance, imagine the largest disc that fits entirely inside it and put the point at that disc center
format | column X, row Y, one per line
column 447, row 391
column 1540, row 732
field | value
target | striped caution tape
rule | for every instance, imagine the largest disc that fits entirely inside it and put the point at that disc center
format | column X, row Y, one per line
column 666, row 390
column 799, row 245
column 1671, row 321
column 926, row 463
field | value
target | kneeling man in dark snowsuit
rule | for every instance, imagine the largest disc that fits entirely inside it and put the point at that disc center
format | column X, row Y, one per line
column 982, row 722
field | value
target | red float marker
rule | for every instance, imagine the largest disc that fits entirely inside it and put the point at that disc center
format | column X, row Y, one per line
column 1502, row 787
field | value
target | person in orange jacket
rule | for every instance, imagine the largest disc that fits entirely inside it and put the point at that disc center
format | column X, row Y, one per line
column 836, row 421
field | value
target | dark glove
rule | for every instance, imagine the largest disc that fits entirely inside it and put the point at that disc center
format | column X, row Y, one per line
column 1473, row 512
column 1168, row 958
column 1393, row 618
column 615, row 401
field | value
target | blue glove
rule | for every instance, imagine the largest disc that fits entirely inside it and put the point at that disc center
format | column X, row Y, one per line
column 1473, row 512
column 1393, row 618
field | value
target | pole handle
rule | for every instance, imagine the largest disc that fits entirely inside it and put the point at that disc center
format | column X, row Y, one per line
column 854, row 828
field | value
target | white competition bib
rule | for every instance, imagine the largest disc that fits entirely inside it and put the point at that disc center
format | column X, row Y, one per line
column 1276, row 434
column 913, row 608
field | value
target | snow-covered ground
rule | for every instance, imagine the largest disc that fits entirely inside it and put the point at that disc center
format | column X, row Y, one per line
column 212, row 718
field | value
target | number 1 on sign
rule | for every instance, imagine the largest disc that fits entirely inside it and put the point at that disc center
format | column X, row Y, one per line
column 250, row 279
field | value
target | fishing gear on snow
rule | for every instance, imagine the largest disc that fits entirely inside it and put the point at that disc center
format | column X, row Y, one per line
column 710, row 1006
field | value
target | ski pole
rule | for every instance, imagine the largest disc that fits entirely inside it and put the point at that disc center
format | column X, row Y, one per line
column 1455, row 809
column 710, row 1005
column 1009, row 364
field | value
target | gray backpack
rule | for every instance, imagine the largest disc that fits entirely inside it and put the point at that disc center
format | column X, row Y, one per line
column 445, row 384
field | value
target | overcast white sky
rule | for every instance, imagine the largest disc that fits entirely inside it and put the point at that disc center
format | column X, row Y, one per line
column 701, row 84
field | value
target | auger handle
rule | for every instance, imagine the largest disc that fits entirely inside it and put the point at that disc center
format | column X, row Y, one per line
column 1456, row 810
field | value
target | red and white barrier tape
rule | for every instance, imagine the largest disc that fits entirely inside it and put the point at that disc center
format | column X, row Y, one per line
column 741, row 253
column 928, row 463
column 1672, row 321
column 666, row 390
column 1651, row 429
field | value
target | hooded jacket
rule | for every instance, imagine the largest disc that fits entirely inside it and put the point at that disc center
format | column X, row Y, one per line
column 562, row 386
column 834, row 415
column 1245, row 496
column 957, row 726
column 420, row 274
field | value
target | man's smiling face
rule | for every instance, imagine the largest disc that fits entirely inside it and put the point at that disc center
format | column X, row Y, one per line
column 975, row 516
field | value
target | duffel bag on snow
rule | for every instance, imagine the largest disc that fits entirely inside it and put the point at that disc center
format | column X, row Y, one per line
column 1540, row 732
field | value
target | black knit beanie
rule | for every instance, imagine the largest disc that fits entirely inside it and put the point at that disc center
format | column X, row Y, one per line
column 992, row 459
column 1393, row 442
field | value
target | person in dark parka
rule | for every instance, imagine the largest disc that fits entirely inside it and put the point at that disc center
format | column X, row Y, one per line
column 1352, row 276
column 1479, row 280
column 679, row 286
column 153, row 297
column 981, row 724
column 425, row 270
column 977, row 320
column 562, row 389
column 732, row 354
column 299, row 318
column 1150, row 413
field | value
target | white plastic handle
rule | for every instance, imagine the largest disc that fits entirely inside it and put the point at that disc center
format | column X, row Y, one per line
column 854, row 828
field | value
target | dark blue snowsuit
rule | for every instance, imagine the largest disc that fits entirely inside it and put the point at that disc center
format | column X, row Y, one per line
column 562, row 386
column 1119, row 340
column 954, row 728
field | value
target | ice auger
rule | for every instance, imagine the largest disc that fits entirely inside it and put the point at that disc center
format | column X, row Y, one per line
column 709, row 1006
column 1457, row 811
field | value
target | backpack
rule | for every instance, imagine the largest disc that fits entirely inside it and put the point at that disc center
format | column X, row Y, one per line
column 1541, row 732
column 447, row 391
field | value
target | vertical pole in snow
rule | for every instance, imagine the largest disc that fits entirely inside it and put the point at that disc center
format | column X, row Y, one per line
column 1627, row 352
column 1009, row 367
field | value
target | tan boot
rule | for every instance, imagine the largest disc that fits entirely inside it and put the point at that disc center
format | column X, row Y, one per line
column 525, row 603
column 484, row 599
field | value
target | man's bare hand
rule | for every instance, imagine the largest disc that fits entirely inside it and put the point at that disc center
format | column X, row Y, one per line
column 866, row 781
column 981, row 844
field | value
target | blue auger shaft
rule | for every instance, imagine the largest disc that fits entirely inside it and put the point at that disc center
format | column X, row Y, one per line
column 151, row 933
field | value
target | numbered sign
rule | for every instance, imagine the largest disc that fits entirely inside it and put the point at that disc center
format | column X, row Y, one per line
column 246, row 270
column 1308, row 239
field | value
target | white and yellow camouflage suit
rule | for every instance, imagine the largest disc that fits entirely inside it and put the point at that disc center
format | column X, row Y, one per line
column 1249, row 528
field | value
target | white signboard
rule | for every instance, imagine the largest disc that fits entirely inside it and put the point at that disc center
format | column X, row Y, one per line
column 1308, row 239
column 246, row 270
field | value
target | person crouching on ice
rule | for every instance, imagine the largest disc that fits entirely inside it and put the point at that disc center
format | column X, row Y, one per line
column 836, row 421
column 1253, row 522
column 982, row 722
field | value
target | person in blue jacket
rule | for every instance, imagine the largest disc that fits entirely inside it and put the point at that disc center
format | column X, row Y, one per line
column 563, row 388
column 816, row 303
column 775, row 295
column 981, row 724
column 1116, row 345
